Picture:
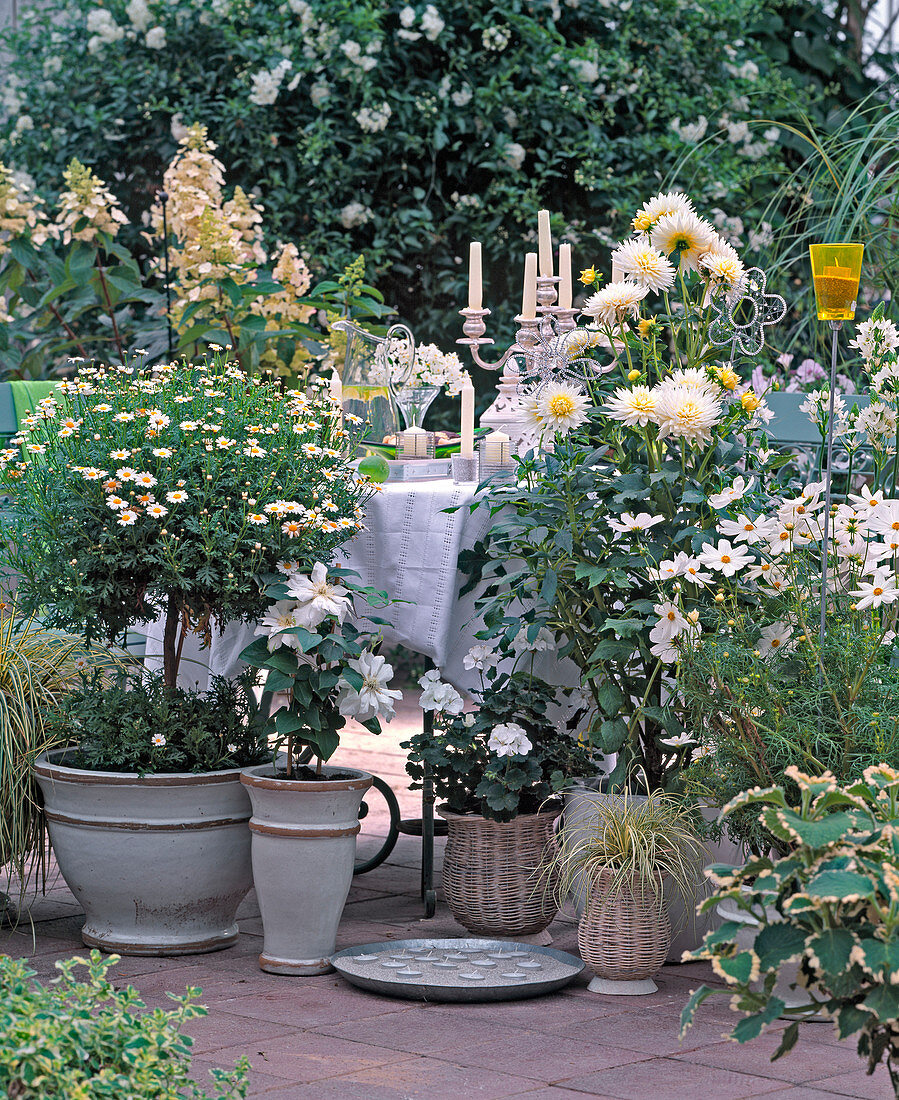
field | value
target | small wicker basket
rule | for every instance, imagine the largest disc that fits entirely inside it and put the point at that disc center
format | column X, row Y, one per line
column 624, row 933
column 496, row 877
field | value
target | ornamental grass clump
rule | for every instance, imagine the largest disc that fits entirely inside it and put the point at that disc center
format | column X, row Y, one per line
column 172, row 491
column 830, row 904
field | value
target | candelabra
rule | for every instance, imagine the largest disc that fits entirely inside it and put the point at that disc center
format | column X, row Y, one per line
column 539, row 342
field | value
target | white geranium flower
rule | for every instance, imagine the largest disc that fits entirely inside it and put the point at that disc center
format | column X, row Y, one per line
column 509, row 739
column 542, row 641
column 280, row 616
column 468, row 719
column 439, row 696
column 374, row 699
column 724, row 558
column 480, row 657
column 317, row 599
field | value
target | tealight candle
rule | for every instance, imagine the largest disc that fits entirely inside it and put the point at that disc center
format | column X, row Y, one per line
column 497, row 449
column 565, row 276
column 475, row 283
column 529, row 297
column 544, row 243
column 414, row 443
column 467, row 430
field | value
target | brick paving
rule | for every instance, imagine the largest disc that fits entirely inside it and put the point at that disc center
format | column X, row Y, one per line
column 321, row 1039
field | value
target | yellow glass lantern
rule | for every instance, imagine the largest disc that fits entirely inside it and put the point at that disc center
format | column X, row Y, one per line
column 836, row 271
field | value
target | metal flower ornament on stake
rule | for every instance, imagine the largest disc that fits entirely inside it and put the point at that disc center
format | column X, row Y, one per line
column 836, row 273
column 748, row 300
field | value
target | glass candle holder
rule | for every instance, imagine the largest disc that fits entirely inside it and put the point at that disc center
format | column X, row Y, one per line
column 836, row 271
column 495, row 458
column 415, row 443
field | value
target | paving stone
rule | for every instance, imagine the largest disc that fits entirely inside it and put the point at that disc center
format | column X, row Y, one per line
column 672, row 1080
column 804, row 1064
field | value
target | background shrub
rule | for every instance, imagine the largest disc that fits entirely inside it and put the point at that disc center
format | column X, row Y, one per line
column 405, row 130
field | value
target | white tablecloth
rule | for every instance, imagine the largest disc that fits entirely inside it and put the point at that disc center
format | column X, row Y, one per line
column 409, row 550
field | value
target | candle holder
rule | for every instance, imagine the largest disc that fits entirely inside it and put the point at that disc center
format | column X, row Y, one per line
column 415, row 443
column 538, row 343
column 465, row 468
column 495, row 461
column 836, row 273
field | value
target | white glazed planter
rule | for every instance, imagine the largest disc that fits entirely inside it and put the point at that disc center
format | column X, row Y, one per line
column 304, row 850
column 160, row 863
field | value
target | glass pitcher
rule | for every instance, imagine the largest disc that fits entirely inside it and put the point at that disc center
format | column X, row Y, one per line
column 368, row 389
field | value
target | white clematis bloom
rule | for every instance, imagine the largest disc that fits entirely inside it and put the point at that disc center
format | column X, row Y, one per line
column 317, row 599
column 509, row 739
column 374, row 699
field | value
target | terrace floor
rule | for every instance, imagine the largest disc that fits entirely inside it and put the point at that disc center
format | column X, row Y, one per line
column 322, row 1039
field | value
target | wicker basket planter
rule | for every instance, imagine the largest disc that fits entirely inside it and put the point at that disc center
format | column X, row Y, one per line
column 624, row 936
column 495, row 877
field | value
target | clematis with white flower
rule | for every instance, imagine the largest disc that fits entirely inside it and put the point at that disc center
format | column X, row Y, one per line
column 374, row 699
column 317, row 598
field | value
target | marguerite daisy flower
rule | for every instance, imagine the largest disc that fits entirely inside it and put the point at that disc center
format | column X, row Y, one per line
column 116, row 503
column 127, row 518
column 253, row 452
column 157, row 511
column 177, row 496
column 292, row 528
column 126, row 473
column 144, row 479
column 162, row 452
column 257, row 518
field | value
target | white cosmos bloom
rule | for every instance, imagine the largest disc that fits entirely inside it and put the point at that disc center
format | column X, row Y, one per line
column 628, row 523
column 480, row 657
column 671, row 621
column 634, row 406
column 374, row 699
column 439, row 696
column 279, row 616
column 866, row 500
column 880, row 590
column 645, row 264
column 316, row 598
column 685, row 234
column 724, row 558
column 733, row 492
column 885, row 520
column 745, row 529
column 685, row 413
column 615, row 303
column 557, row 408
column 509, row 739
column 666, row 648
column 775, row 639
column 682, row 740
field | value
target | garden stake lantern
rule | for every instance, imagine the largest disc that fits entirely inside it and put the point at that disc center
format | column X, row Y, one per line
column 836, row 271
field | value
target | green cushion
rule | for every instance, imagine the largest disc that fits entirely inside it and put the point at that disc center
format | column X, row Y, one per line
column 25, row 396
column 789, row 425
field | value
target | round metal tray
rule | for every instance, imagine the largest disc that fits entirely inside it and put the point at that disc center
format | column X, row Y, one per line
column 457, row 970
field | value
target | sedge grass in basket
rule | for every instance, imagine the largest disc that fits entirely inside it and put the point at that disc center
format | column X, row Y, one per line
column 634, row 843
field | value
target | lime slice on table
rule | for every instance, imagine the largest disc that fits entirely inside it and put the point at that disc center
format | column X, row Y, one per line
column 374, row 467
